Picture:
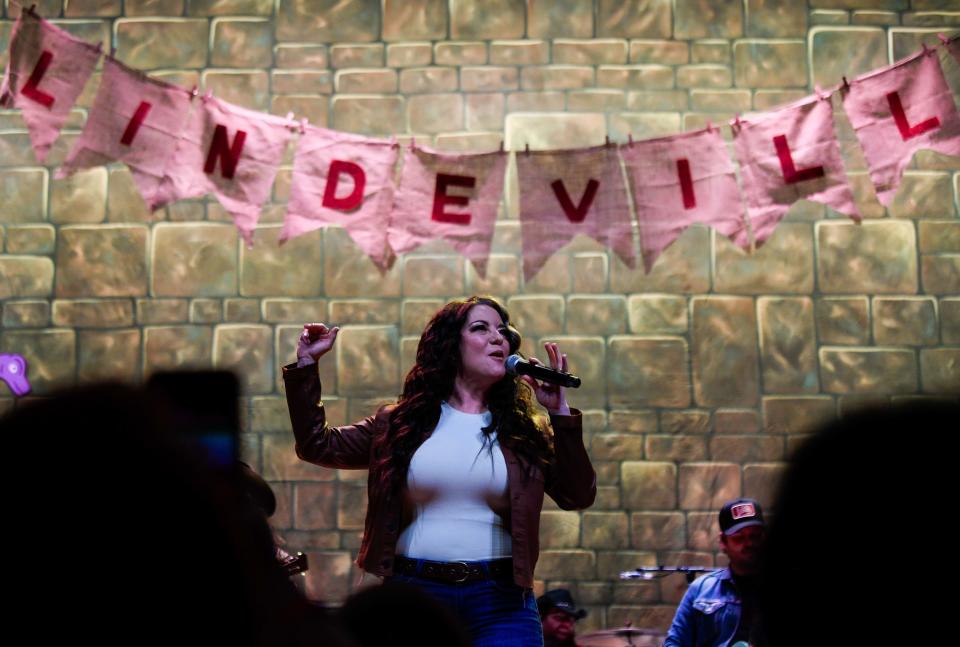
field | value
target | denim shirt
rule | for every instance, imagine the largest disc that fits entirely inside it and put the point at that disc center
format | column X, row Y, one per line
column 709, row 613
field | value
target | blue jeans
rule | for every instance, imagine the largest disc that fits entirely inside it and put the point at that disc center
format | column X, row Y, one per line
column 495, row 613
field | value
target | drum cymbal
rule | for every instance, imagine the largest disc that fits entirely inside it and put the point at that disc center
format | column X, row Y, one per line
column 622, row 637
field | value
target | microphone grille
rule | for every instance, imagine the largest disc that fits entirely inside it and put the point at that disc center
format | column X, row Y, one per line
column 511, row 363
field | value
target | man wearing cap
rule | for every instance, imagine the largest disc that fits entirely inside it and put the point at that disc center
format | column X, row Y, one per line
column 559, row 614
column 720, row 608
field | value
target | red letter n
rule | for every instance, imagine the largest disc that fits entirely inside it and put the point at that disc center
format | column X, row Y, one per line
column 228, row 155
column 579, row 212
column 30, row 89
column 906, row 130
column 352, row 201
column 790, row 172
column 441, row 199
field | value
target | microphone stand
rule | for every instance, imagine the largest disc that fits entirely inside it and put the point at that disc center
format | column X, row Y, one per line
column 656, row 572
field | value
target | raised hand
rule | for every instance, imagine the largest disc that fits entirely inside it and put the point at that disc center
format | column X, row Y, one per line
column 315, row 341
column 551, row 396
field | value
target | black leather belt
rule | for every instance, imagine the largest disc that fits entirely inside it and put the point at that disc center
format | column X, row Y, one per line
column 454, row 572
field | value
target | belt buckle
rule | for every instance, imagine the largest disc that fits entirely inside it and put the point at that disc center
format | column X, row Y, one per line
column 460, row 566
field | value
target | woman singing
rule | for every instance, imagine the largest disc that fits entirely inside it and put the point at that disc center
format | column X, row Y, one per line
column 458, row 466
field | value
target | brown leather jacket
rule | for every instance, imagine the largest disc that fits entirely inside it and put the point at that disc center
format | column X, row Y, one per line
column 569, row 480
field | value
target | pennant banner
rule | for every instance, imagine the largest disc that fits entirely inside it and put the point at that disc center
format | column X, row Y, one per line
column 788, row 155
column 564, row 193
column 678, row 181
column 136, row 120
column 343, row 179
column 899, row 110
column 45, row 74
column 448, row 197
column 230, row 152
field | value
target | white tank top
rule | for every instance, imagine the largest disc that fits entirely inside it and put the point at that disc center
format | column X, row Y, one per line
column 455, row 481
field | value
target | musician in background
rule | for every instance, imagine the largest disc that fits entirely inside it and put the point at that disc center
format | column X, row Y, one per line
column 720, row 608
column 559, row 616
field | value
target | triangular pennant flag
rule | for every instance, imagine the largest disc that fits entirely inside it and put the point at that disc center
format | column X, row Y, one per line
column 343, row 179
column 565, row 193
column 899, row 110
column 230, row 152
column 45, row 74
column 678, row 181
column 788, row 155
column 448, row 197
column 136, row 120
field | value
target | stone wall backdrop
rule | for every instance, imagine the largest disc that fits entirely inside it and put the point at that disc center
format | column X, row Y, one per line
column 699, row 378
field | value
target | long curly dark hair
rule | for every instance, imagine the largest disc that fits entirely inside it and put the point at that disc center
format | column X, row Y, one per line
column 431, row 381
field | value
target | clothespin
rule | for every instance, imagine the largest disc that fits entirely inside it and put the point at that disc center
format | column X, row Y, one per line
column 194, row 92
column 820, row 93
column 113, row 52
column 606, row 140
column 709, row 126
column 413, row 143
column 303, row 126
column 943, row 39
column 31, row 10
column 846, row 84
column 630, row 139
column 736, row 121
column 926, row 50
column 526, row 149
column 501, row 145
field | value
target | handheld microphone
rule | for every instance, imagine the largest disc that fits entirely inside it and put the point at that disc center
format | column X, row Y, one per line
column 516, row 365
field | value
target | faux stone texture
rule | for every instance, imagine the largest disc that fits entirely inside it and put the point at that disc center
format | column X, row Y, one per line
column 657, row 314
column 308, row 82
column 783, row 264
column 843, row 320
column 486, row 20
column 556, row 77
column 241, row 42
column 460, row 53
column 537, row 316
column 368, row 115
column 194, row 259
column 648, row 486
column 301, row 55
column 707, row 19
column 149, row 44
column 328, row 20
column 105, row 260
column 409, row 54
column 292, row 270
column 775, row 18
column 941, row 274
column 370, row 81
column 50, row 354
column 950, row 321
column 648, row 371
column 838, row 52
column 675, row 448
column 770, row 64
column 905, row 321
column 870, row 371
column 608, row 530
column 787, row 345
column 427, row 276
column 684, row 267
column 414, row 20
column 176, row 347
column 760, row 482
column 80, row 198
column 923, row 194
column 784, row 415
column 347, row 271
column 559, row 529
column 645, row 77
column 124, row 203
column 367, row 360
column 874, row 256
column 24, row 192
column 428, row 79
column 519, row 52
column 247, row 350
column 657, row 531
column 589, row 51
column 940, row 370
column 25, row 314
column 707, row 486
column 725, row 357
column 92, row 313
column 939, row 237
column 108, row 354
column 31, row 239
column 599, row 315
column 247, row 89
column 704, row 76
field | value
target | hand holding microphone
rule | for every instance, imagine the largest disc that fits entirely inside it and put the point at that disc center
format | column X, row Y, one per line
column 315, row 341
column 548, row 390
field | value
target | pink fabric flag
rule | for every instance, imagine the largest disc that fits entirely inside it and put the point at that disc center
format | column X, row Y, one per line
column 564, row 193
column 343, row 179
column 136, row 120
column 45, row 74
column 678, row 181
column 899, row 110
column 788, row 155
column 450, row 197
column 230, row 152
